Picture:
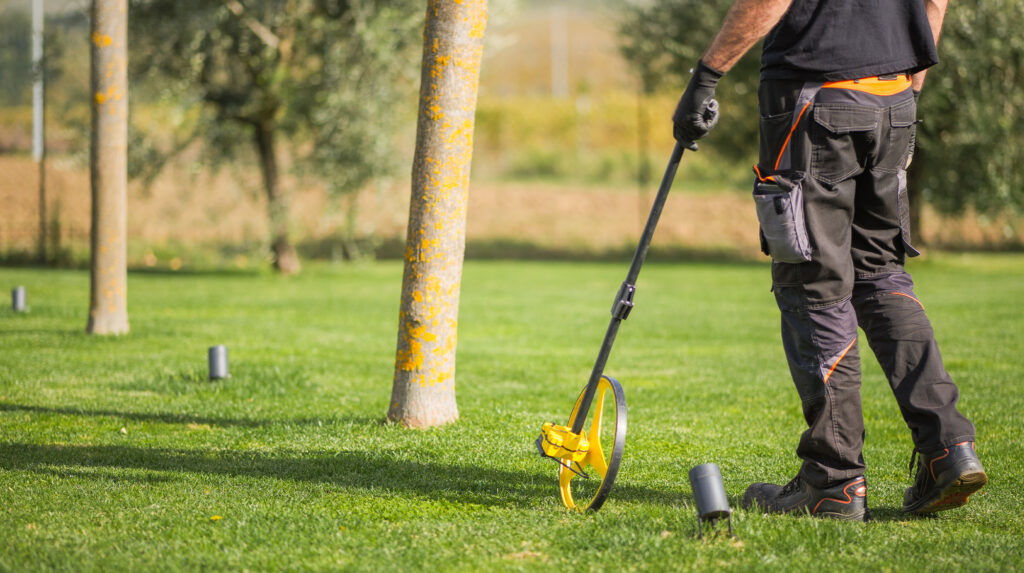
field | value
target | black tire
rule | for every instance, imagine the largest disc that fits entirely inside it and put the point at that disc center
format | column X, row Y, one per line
column 597, row 458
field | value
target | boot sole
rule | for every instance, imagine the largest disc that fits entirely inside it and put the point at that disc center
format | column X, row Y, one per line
column 863, row 515
column 953, row 495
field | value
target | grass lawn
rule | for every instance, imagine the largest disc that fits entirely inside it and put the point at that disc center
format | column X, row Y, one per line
column 117, row 454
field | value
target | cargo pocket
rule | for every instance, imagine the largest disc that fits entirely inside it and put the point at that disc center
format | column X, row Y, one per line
column 902, row 136
column 837, row 133
column 780, row 211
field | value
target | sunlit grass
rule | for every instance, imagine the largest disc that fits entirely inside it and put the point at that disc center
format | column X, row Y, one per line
column 119, row 454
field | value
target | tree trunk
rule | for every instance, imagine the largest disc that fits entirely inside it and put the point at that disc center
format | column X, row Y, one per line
column 108, row 306
column 423, row 393
column 286, row 260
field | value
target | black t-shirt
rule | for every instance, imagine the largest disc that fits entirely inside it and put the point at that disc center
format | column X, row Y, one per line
column 829, row 40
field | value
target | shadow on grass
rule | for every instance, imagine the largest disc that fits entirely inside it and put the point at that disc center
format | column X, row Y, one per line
column 895, row 513
column 877, row 513
column 169, row 418
column 224, row 271
column 378, row 471
column 526, row 250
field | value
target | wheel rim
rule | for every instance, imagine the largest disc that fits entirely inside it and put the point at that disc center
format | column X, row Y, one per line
column 606, row 432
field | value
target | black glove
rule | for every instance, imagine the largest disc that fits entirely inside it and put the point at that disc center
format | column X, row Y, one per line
column 697, row 112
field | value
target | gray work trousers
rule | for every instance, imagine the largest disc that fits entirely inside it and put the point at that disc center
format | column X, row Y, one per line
column 846, row 153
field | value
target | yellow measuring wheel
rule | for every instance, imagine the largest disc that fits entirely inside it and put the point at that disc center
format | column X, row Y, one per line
column 585, row 485
column 588, row 458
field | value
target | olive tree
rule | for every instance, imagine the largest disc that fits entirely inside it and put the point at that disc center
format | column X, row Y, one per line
column 320, row 78
column 971, row 140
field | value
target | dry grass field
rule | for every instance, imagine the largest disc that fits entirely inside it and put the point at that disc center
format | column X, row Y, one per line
column 190, row 212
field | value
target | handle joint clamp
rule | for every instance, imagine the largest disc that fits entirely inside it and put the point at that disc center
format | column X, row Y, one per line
column 623, row 304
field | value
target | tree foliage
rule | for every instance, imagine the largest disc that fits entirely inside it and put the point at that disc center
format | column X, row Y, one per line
column 362, row 81
column 972, row 139
column 15, row 57
column 332, row 72
column 321, row 77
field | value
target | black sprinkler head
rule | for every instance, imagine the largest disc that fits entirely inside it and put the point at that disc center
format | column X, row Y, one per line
column 709, row 494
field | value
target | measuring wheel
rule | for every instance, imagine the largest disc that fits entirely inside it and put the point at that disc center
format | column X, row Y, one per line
column 589, row 450
column 585, row 485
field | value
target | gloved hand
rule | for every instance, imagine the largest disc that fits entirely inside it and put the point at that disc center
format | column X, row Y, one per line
column 697, row 112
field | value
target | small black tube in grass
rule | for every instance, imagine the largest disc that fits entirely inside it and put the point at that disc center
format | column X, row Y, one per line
column 18, row 299
column 709, row 494
column 218, row 357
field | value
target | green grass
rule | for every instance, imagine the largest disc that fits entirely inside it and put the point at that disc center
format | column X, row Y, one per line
column 116, row 453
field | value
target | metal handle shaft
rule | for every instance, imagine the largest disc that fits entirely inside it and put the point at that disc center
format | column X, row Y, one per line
column 629, row 284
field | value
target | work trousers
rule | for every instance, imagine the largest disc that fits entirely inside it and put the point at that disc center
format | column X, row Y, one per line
column 846, row 153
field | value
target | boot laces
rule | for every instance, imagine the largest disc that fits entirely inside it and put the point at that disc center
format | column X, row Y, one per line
column 793, row 486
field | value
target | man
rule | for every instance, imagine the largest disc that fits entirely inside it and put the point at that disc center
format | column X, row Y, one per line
column 838, row 93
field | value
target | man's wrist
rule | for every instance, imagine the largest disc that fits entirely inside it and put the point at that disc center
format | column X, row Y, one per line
column 706, row 75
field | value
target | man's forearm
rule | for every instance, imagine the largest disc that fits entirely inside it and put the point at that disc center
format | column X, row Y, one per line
column 746, row 23
column 936, row 10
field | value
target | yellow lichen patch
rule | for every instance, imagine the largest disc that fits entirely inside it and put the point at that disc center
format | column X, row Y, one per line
column 112, row 94
column 440, row 377
column 411, row 359
column 101, row 40
column 416, row 332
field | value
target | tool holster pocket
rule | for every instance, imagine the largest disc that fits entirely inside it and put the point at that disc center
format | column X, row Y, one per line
column 780, row 211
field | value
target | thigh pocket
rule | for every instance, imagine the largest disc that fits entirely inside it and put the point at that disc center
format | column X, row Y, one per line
column 780, row 211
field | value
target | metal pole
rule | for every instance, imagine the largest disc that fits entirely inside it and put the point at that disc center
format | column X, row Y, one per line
column 38, row 117
column 625, row 294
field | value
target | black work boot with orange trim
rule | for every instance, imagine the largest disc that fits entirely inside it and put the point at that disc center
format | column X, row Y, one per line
column 945, row 479
column 846, row 500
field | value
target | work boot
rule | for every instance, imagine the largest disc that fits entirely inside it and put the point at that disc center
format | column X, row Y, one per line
column 945, row 479
column 846, row 500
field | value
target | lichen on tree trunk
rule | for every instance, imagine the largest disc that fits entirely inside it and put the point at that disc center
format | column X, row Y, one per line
column 108, row 307
column 423, row 393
